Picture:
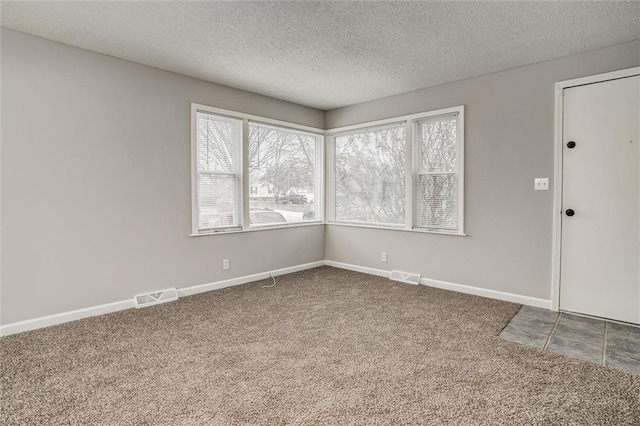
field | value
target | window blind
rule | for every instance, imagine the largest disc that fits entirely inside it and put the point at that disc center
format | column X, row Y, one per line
column 219, row 171
column 436, row 186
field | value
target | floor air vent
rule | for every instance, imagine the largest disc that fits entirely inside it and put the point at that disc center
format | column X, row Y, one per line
column 155, row 298
column 405, row 277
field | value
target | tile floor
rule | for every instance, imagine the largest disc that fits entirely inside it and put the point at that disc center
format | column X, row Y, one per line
column 593, row 340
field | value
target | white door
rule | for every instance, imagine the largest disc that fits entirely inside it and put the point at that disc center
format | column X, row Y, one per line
column 599, row 270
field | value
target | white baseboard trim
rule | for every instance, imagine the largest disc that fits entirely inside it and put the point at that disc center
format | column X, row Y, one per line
column 491, row 294
column 50, row 320
column 358, row 268
column 460, row 288
column 55, row 319
column 188, row 291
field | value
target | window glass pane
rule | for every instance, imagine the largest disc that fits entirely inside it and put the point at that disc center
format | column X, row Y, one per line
column 219, row 142
column 219, row 171
column 437, row 196
column 283, row 168
column 217, row 196
column 265, row 216
column 370, row 176
column 438, row 151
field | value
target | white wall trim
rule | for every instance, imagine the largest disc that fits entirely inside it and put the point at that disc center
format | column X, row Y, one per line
column 357, row 268
column 598, row 78
column 61, row 318
column 491, row 294
column 202, row 288
column 460, row 288
column 556, row 250
column 92, row 311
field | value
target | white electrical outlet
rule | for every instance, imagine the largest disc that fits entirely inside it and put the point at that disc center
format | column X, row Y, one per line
column 541, row 184
column 384, row 256
column 225, row 264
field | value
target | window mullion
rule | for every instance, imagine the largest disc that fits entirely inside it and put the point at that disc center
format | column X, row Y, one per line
column 245, row 175
column 320, row 179
column 409, row 174
column 330, row 167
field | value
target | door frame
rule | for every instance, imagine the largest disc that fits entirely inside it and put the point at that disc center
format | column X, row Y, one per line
column 556, row 251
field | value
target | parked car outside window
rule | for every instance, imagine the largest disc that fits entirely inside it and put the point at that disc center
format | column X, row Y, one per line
column 309, row 212
column 257, row 216
column 292, row 199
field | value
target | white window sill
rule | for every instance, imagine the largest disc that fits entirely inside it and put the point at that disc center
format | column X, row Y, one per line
column 391, row 228
column 350, row 225
column 255, row 228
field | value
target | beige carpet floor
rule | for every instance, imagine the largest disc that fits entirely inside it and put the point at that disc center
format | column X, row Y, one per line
column 324, row 347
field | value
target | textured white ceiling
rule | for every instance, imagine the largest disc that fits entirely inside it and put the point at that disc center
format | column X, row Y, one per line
column 330, row 54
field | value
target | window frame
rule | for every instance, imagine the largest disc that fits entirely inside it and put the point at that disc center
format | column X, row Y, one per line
column 244, row 225
column 236, row 175
column 459, row 171
column 411, row 170
column 319, row 175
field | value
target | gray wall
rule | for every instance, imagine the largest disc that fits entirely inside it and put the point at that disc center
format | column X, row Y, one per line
column 96, row 182
column 509, row 131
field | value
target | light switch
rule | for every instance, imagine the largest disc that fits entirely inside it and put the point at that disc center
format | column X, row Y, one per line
column 541, row 184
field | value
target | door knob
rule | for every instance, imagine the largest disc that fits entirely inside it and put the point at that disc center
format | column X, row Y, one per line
column 569, row 212
column 571, row 144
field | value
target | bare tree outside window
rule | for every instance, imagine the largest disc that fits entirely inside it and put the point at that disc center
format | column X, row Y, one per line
column 283, row 166
column 369, row 168
column 370, row 176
